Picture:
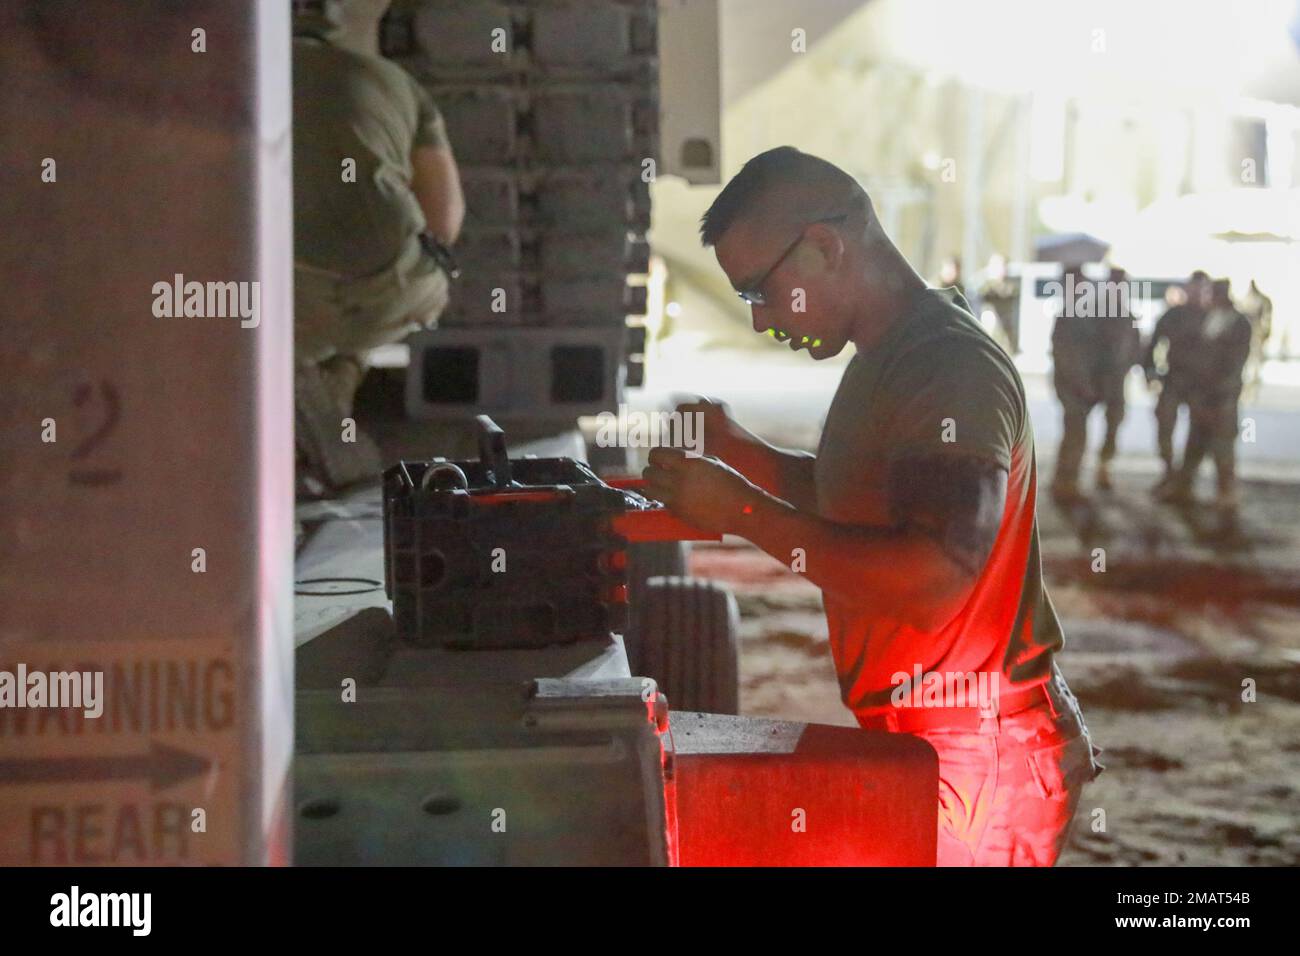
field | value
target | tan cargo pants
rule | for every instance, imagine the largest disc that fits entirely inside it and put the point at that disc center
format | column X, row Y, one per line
column 338, row 320
column 1008, row 798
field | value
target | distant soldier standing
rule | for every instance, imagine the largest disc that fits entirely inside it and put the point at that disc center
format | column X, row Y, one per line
column 1001, row 296
column 1180, row 329
column 1121, row 348
column 1258, row 308
column 1214, row 398
column 1093, row 349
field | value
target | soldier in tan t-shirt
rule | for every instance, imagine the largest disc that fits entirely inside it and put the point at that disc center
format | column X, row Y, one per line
column 916, row 517
column 373, row 170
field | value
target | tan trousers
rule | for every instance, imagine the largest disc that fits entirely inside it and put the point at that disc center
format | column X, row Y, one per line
column 338, row 320
column 1008, row 798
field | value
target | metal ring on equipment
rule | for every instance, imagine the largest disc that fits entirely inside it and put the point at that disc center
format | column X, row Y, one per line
column 444, row 476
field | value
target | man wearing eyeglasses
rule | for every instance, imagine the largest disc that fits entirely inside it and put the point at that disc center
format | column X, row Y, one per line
column 916, row 517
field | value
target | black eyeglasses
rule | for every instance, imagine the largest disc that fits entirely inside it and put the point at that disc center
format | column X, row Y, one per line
column 754, row 294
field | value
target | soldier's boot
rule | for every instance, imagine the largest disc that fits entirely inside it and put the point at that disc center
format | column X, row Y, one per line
column 307, row 482
column 1177, row 492
column 1065, row 490
column 1177, row 488
column 1169, row 476
column 1103, row 475
column 1226, row 498
column 328, row 453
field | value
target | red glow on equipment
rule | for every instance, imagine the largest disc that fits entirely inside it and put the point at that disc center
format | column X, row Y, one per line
column 757, row 792
column 654, row 524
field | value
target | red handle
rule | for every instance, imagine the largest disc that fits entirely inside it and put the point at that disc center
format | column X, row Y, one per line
column 658, row 524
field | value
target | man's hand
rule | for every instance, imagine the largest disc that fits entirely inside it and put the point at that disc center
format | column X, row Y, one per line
column 788, row 475
column 703, row 492
column 722, row 436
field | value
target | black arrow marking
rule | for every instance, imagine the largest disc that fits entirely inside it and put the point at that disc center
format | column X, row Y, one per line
column 163, row 766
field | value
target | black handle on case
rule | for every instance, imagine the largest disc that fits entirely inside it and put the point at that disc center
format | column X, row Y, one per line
column 492, row 451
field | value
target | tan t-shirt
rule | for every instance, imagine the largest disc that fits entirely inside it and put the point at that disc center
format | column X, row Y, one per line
column 936, row 375
column 348, row 106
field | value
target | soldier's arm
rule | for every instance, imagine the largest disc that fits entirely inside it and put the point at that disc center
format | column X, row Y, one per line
column 786, row 474
column 1149, row 352
column 435, row 180
column 919, row 571
column 1235, row 353
column 955, row 501
column 949, row 414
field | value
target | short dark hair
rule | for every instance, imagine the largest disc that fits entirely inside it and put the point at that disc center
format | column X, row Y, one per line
column 778, row 166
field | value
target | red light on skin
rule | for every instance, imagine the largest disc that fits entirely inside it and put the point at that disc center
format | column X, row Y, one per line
column 748, row 509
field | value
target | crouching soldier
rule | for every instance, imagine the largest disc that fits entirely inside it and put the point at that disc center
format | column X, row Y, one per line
column 377, row 201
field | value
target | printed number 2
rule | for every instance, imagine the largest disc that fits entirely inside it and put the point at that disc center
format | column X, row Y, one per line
column 109, row 407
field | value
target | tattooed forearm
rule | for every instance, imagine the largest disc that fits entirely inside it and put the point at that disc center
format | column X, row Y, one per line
column 956, row 501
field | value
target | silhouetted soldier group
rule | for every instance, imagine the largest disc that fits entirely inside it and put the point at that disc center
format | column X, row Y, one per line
column 1195, row 357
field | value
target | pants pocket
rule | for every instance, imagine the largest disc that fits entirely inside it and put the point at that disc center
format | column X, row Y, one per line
column 1063, row 767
